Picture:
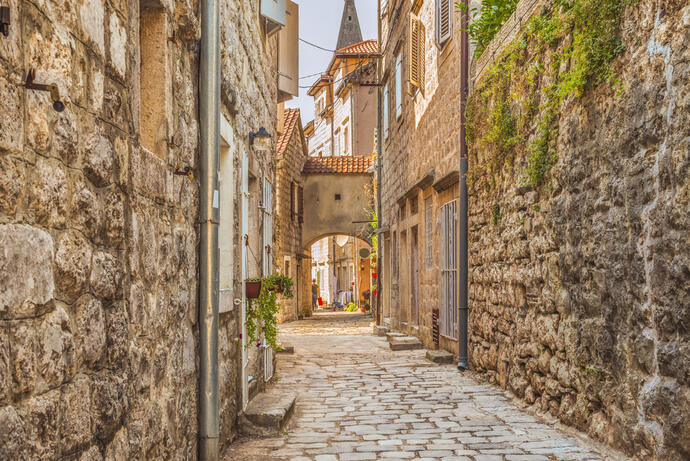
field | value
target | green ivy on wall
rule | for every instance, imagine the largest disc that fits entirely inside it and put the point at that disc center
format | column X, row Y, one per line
column 561, row 52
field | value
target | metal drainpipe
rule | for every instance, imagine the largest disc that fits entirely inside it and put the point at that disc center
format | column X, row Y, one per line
column 464, row 86
column 376, row 300
column 209, row 109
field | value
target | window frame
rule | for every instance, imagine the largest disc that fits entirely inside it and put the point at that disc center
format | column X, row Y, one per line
column 398, row 85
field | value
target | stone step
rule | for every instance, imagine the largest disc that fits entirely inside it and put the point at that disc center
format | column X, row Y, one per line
column 394, row 334
column 380, row 330
column 442, row 357
column 404, row 343
column 268, row 413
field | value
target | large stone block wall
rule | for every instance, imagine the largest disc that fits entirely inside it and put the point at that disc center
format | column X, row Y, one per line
column 580, row 288
column 97, row 239
column 249, row 101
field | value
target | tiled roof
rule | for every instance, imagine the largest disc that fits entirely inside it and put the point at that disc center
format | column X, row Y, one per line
column 365, row 47
column 291, row 119
column 344, row 164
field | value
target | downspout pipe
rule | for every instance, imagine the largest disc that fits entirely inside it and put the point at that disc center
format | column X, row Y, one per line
column 209, row 114
column 463, row 308
column 379, row 167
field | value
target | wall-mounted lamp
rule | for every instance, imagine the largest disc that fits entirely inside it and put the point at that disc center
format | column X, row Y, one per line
column 58, row 105
column 261, row 140
column 5, row 20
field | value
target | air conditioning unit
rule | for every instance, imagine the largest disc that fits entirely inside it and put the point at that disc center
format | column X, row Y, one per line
column 273, row 15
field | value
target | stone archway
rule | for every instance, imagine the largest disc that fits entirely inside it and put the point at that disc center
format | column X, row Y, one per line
column 336, row 200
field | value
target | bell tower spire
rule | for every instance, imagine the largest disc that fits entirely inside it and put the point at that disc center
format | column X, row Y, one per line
column 350, row 32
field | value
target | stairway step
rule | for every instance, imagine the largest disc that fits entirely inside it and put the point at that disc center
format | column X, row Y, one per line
column 442, row 357
column 268, row 413
column 394, row 334
column 405, row 343
column 380, row 330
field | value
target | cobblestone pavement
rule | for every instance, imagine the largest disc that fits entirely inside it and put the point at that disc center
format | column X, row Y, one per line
column 357, row 400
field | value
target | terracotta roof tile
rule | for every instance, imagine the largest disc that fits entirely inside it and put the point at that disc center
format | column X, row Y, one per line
column 365, row 47
column 291, row 120
column 345, row 164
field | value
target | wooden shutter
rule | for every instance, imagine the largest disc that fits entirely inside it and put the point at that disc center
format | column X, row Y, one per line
column 300, row 203
column 444, row 21
column 422, row 55
column 414, row 50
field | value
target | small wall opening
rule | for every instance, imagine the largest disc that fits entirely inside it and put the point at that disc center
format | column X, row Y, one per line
column 153, row 46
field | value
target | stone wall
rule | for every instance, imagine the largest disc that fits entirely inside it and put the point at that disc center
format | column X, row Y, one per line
column 98, row 235
column 97, row 238
column 289, row 252
column 249, row 101
column 579, row 288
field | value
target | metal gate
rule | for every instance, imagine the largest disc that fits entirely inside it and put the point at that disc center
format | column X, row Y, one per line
column 449, row 269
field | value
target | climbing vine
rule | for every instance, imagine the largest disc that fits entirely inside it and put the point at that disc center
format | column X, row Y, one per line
column 560, row 53
column 487, row 20
column 261, row 312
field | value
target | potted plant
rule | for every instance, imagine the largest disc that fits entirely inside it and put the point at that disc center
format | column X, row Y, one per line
column 252, row 288
column 261, row 311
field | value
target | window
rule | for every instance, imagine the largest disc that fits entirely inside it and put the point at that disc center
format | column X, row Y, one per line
column 267, row 211
column 398, row 86
column 385, row 111
column 417, row 65
column 449, row 270
column 428, row 232
column 300, row 203
column 444, row 21
column 346, row 135
column 336, row 150
column 153, row 46
column 293, row 199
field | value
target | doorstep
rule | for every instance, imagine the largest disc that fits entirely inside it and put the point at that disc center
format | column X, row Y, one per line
column 267, row 413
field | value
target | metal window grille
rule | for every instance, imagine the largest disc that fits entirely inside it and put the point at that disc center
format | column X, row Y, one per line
column 267, row 194
column 429, row 232
column 449, row 269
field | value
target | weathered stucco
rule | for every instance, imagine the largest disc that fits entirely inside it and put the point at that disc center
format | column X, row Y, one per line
column 579, row 288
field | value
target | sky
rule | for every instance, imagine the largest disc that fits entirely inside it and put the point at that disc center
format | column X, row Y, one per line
column 319, row 23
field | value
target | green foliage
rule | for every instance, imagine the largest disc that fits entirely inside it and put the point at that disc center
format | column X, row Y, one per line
column 487, row 20
column 561, row 52
column 261, row 312
column 351, row 308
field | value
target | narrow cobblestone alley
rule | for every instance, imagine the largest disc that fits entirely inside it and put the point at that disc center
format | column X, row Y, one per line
column 357, row 400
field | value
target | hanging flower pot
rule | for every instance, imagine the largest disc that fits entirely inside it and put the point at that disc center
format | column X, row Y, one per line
column 252, row 288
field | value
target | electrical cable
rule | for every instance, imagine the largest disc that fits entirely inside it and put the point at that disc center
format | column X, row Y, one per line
column 316, row 46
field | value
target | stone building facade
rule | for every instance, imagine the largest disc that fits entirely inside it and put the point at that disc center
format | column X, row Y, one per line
column 291, row 153
column 420, row 161
column 98, row 224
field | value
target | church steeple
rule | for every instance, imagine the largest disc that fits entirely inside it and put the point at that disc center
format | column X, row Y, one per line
column 350, row 32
